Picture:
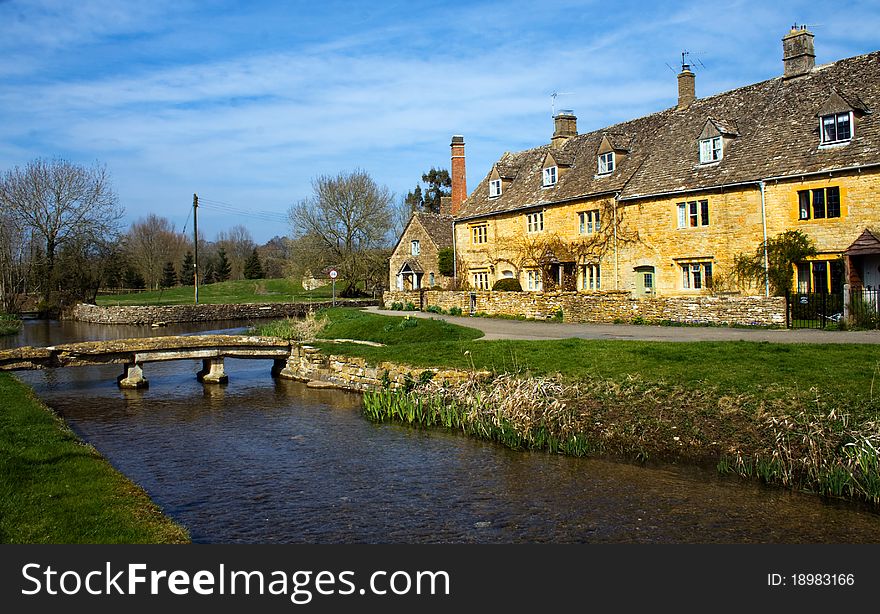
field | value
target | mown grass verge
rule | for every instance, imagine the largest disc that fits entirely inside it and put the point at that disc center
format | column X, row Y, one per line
column 56, row 489
column 279, row 290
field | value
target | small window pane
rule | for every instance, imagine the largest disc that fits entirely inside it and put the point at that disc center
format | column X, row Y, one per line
column 843, row 127
column 819, row 203
column 804, row 204
column 704, row 212
column 832, row 204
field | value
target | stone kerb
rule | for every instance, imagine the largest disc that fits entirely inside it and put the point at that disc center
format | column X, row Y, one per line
column 604, row 307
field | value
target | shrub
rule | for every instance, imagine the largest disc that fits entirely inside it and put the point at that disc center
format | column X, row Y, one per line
column 507, row 284
column 434, row 309
column 409, row 307
column 455, row 311
column 397, row 306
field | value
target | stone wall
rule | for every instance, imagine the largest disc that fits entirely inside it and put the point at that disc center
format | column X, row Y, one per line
column 605, row 307
column 309, row 364
column 197, row 313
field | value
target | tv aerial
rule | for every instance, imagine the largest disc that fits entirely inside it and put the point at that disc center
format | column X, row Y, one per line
column 553, row 95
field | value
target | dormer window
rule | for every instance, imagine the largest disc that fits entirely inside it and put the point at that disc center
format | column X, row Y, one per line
column 836, row 127
column 606, row 163
column 495, row 188
column 550, row 174
column 711, row 150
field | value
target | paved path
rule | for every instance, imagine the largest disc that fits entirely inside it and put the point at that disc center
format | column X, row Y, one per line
column 516, row 329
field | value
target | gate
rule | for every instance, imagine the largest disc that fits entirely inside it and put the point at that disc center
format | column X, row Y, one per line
column 864, row 308
column 813, row 309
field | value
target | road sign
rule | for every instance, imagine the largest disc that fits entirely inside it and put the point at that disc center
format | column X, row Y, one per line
column 333, row 274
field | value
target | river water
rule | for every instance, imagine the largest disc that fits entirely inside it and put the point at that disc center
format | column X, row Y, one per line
column 272, row 461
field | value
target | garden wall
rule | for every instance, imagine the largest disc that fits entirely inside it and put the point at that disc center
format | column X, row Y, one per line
column 603, row 307
column 168, row 314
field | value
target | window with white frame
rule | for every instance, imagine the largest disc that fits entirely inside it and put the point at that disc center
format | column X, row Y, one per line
column 481, row 280
column 431, row 279
column 550, row 175
column 592, row 278
column 479, row 233
column 606, row 163
column 711, row 149
column 696, row 275
column 693, row 213
column 414, row 248
column 588, row 222
column 533, row 280
column 836, row 127
column 535, row 221
column 494, row 188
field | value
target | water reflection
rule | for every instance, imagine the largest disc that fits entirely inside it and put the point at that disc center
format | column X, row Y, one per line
column 272, row 461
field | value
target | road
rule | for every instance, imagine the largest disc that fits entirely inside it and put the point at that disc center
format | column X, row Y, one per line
column 497, row 328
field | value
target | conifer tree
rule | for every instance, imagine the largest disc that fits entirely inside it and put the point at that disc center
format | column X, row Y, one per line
column 252, row 267
column 224, row 268
column 187, row 270
column 169, row 275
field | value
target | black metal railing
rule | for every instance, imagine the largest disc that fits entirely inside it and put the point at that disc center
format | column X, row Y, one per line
column 863, row 308
column 813, row 310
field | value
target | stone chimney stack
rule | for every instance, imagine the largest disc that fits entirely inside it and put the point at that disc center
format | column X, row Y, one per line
column 798, row 54
column 459, row 178
column 565, row 124
column 687, row 90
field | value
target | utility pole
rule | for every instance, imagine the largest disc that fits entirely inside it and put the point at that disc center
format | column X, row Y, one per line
column 196, row 250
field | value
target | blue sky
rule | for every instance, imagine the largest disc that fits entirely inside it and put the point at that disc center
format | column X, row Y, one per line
column 245, row 102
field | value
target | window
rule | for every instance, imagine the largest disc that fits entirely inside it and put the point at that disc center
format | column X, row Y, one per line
column 588, row 222
column 495, row 188
column 535, row 222
column 431, row 280
column 693, row 213
column 414, row 248
column 836, row 128
column 696, row 275
column 711, row 150
column 481, row 280
column 819, row 203
column 533, row 280
column 479, row 233
column 549, row 176
column 592, row 277
column 606, row 163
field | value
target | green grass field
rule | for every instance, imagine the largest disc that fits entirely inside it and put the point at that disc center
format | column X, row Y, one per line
column 279, row 290
column 56, row 489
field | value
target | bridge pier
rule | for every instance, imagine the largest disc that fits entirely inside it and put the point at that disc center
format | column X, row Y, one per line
column 132, row 377
column 212, row 371
column 278, row 365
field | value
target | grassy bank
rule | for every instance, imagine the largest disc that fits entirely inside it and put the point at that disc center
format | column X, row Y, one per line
column 228, row 292
column 56, row 489
column 9, row 324
column 347, row 323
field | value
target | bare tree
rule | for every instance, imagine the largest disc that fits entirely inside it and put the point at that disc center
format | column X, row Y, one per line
column 352, row 216
column 151, row 242
column 61, row 202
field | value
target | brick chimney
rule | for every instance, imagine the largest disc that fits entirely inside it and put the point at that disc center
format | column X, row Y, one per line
column 459, row 179
column 687, row 91
column 565, row 124
column 798, row 54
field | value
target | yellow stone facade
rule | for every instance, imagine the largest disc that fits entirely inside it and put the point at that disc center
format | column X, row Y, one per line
column 646, row 236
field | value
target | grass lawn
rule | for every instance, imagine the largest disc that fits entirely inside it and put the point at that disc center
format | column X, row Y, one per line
column 56, row 489
column 280, row 290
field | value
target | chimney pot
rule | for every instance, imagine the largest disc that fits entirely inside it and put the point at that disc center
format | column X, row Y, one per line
column 798, row 53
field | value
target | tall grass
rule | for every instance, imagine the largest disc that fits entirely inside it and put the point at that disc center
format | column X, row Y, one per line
column 9, row 324
column 795, row 442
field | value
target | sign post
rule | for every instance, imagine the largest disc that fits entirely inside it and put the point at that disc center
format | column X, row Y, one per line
column 333, row 275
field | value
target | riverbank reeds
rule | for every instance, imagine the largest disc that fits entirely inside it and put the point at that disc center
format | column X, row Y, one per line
column 804, row 442
column 56, row 489
column 9, row 324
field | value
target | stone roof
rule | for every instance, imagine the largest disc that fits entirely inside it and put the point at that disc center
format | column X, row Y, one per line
column 775, row 134
column 866, row 244
column 438, row 226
